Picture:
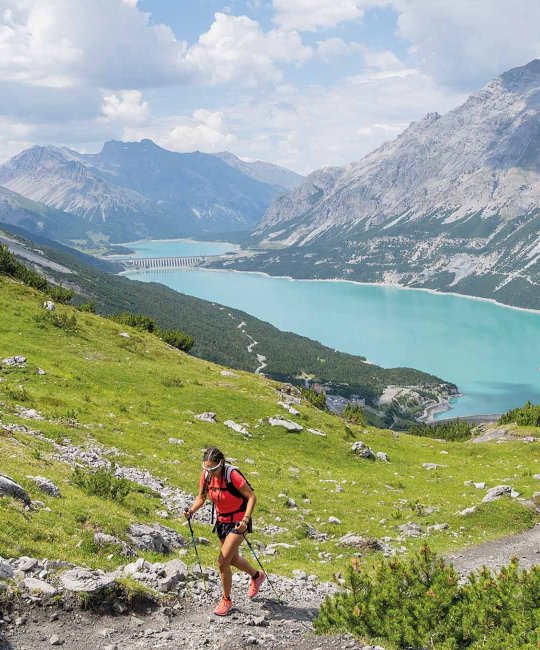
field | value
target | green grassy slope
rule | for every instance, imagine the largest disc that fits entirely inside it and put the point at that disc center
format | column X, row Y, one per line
column 133, row 394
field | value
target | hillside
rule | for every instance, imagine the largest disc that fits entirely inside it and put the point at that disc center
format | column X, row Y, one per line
column 451, row 204
column 130, row 399
column 225, row 335
column 131, row 190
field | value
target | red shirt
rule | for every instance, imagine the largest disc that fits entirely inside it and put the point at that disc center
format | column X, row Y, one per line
column 225, row 501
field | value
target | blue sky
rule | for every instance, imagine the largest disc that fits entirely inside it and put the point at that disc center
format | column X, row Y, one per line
column 301, row 83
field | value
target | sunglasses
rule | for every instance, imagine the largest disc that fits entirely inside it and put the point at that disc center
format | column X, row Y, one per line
column 212, row 469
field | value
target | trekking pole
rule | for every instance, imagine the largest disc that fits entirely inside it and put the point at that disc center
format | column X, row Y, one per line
column 197, row 554
column 263, row 569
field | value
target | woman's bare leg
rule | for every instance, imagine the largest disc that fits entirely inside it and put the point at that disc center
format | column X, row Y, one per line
column 229, row 548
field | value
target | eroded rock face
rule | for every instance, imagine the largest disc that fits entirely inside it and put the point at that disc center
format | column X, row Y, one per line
column 10, row 488
column 156, row 537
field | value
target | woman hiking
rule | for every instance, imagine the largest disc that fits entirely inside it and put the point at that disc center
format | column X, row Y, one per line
column 234, row 502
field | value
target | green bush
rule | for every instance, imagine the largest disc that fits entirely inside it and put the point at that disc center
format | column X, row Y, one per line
column 58, row 319
column 317, row 399
column 354, row 414
column 451, row 431
column 177, row 339
column 418, row 603
column 526, row 415
column 88, row 306
column 138, row 321
column 102, row 483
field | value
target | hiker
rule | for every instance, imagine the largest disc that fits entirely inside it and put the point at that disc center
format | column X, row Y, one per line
column 234, row 501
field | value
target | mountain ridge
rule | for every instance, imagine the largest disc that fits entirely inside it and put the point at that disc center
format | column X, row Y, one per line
column 131, row 190
column 450, row 204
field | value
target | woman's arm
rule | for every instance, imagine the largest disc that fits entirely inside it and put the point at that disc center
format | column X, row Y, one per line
column 196, row 505
column 248, row 493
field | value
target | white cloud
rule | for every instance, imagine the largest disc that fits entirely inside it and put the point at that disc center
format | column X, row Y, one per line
column 126, row 107
column 310, row 15
column 464, row 43
column 335, row 47
column 204, row 130
column 236, row 49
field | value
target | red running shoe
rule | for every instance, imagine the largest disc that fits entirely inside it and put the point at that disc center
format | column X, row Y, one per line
column 255, row 585
column 224, row 607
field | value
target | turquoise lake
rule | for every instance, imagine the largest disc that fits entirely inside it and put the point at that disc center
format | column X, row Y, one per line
column 491, row 352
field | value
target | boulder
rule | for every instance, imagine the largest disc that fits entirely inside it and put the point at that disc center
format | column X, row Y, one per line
column 26, row 564
column 39, row 586
column 157, row 538
column 48, row 305
column 382, row 456
column 360, row 542
column 497, row 492
column 361, row 449
column 46, row 486
column 334, row 520
column 79, row 579
column 279, row 421
column 207, row 416
column 17, row 360
column 175, row 571
column 6, row 570
column 10, row 488
column 410, row 529
column 237, row 427
column 468, row 511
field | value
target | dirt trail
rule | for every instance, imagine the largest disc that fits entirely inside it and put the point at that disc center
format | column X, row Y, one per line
column 525, row 546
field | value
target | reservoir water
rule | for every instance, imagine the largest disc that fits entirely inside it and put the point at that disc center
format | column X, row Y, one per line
column 490, row 351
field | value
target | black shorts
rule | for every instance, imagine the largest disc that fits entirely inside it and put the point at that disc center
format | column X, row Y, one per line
column 223, row 528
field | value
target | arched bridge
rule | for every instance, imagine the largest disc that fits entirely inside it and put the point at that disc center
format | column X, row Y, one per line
column 162, row 262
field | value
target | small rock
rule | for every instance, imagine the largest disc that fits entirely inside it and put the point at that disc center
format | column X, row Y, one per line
column 316, row 432
column 39, row 586
column 382, row 456
column 334, row 520
column 156, row 538
column 208, row 416
column 6, row 570
column 468, row 511
column 435, row 527
column 49, row 305
column 55, row 640
column 411, row 529
column 46, row 486
column 237, row 427
column 176, row 441
column 432, row 465
column 40, row 371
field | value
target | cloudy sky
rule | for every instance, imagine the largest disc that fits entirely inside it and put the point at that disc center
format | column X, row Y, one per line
column 302, row 83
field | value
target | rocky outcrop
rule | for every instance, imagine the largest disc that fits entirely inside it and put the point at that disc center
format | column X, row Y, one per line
column 10, row 488
column 157, row 538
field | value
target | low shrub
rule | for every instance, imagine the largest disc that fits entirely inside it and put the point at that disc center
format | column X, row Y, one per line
column 419, row 603
column 526, row 415
column 354, row 414
column 102, row 483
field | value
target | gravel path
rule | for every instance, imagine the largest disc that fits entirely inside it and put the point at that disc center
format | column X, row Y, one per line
column 525, row 546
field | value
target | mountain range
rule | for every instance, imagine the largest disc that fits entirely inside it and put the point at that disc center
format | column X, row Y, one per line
column 452, row 204
column 132, row 190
